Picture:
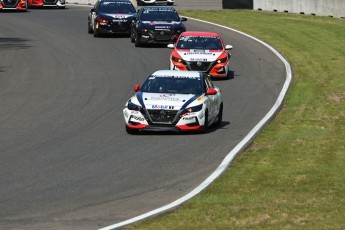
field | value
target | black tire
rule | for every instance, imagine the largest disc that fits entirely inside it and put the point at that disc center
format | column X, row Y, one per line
column 220, row 116
column 95, row 31
column 132, row 36
column 137, row 41
column 28, row 4
column 89, row 29
column 206, row 122
column 131, row 131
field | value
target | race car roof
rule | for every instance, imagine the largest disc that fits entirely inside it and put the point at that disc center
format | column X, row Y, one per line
column 200, row 33
column 174, row 73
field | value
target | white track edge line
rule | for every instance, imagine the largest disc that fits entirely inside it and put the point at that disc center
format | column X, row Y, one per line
column 231, row 155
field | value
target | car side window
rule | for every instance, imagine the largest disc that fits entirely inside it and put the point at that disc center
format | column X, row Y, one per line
column 97, row 6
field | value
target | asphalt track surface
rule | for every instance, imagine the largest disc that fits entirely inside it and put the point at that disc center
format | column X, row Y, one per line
column 66, row 161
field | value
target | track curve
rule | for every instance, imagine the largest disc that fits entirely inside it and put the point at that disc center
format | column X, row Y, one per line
column 65, row 159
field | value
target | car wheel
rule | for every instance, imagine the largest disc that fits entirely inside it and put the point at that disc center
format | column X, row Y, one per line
column 206, row 122
column 131, row 131
column 220, row 116
column 89, row 29
column 95, row 31
column 137, row 41
column 28, row 4
column 132, row 36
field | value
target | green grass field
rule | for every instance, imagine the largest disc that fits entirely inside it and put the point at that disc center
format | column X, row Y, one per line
column 293, row 175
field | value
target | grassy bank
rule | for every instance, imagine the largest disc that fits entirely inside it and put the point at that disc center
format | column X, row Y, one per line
column 293, row 176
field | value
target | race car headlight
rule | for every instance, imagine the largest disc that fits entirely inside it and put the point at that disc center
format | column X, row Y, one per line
column 192, row 109
column 132, row 106
column 175, row 59
column 223, row 60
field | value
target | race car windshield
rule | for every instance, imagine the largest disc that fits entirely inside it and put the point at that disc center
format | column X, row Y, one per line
column 117, row 7
column 174, row 85
column 149, row 15
column 199, row 42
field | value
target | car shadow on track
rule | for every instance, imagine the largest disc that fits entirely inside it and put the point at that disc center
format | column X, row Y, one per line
column 211, row 129
column 13, row 43
column 230, row 77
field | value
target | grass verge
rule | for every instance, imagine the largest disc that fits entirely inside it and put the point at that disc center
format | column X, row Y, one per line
column 292, row 177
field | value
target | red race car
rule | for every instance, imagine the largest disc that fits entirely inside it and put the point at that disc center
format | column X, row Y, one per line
column 201, row 51
column 47, row 3
column 18, row 5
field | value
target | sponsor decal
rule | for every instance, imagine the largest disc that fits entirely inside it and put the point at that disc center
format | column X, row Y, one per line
column 203, row 52
column 198, row 59
column 179, row 77
column 167, row 107
column 120, row 16
column 164, row 97
column 158, row 10
column 188, row 118
column 136, row 118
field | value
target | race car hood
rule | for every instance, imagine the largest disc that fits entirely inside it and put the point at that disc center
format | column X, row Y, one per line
column 161, row 25
column 199, row 55
column 165, row 100
column 116, row 16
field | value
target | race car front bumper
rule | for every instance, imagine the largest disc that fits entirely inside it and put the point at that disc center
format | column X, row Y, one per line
column 146, row 120
column 48, row 3
column 214, row 69
column 19, row 5
column 114, row 27
column 159, row 37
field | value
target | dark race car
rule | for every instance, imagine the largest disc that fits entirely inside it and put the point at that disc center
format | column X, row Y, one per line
column 111, row 17
column 156, row 24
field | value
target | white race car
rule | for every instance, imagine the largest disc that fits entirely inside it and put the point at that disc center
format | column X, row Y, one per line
column 153, row 2
column 174, row 101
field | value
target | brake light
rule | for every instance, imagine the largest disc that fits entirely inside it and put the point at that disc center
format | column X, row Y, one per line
column 101, row 20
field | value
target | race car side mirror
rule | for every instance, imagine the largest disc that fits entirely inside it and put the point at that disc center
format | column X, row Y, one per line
column 211, row 92
column 183, row 19
column 136, row 88
column 171, row 46
column 228, row 47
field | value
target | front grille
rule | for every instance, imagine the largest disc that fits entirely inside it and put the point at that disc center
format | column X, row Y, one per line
column 122, row 26
column 50, row 2
column 162, row 116
column 162, row 35
column 202, row 66
column 10, row 3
